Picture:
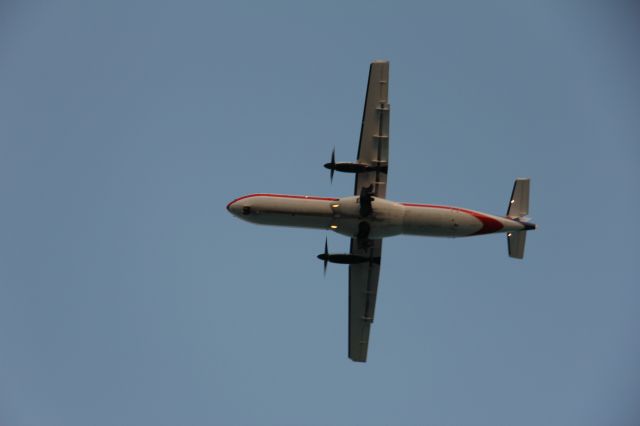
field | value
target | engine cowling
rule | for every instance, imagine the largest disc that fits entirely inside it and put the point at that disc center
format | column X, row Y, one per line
column 355, row 167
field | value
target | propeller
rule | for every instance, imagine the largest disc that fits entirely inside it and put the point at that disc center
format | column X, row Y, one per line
column 333, row 163
column 325, row 256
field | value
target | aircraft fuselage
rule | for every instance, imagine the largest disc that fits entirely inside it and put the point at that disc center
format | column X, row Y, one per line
column 387, row 218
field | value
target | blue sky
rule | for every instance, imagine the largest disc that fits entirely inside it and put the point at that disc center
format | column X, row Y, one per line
column 129, row 295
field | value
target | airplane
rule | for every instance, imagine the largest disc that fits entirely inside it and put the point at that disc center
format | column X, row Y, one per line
column 367, row 216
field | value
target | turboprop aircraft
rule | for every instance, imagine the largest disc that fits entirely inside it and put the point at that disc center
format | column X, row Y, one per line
column 367, row 216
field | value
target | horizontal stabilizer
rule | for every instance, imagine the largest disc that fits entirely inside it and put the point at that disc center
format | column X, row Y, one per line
column 516, row 242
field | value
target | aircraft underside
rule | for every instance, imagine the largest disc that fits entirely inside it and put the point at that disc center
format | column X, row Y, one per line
column 367, row 216
column 386, row 218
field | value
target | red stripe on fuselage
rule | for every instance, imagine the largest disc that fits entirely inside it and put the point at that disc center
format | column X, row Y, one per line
column 300, row 197
column 489, row 224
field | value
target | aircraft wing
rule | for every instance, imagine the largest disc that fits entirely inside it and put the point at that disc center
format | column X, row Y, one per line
column 373, row 148
column 363, row 287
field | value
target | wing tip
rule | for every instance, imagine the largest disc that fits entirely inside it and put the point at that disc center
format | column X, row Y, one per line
column 358, row 359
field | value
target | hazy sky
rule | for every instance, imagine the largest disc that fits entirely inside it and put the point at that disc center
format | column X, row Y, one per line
column 130, row 296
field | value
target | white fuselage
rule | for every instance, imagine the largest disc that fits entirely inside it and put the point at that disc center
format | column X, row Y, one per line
column 387, row 219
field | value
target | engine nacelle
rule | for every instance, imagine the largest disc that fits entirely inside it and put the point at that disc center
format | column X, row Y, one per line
column 347, row 259
column 356, row 167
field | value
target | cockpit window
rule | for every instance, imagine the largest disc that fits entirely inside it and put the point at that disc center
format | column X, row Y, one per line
column 246, row 210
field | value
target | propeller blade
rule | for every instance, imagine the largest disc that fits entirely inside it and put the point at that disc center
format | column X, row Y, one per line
column 333, row 163
column 326, row 256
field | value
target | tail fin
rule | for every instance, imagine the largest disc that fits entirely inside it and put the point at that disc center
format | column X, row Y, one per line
column 518, row 208
column 519, row 202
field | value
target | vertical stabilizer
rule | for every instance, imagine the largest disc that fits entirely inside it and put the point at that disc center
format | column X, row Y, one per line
column 519, row 202
column 517, row 210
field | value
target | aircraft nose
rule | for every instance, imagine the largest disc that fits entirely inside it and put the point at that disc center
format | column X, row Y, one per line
column 240, row 207
column 233, row 207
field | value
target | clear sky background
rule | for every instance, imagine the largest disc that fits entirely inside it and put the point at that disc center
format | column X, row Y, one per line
column 130, row 296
